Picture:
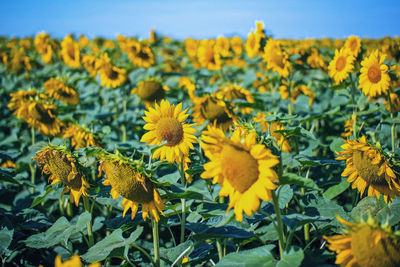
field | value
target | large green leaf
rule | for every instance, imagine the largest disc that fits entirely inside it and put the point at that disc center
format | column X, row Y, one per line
column 6, row 237
column 260, row 257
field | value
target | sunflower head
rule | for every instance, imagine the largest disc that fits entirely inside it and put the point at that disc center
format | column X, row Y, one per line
column 133, row 185
column 277, row 59
column 150, row 90
column 57, row 89
column 353, row 43
column 234, row 91
column 70, row 52
column 208, row 56
column 367, row 166
column 62, row 167
column 252, row 45
column 80, row 136
column 365, row 243
column 341, row 65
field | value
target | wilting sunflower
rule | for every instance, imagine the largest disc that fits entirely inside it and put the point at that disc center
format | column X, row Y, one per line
column 210, row 108
column 365, row 243
column 110, row 75
column 70, row 52
column 272, row 127
column 374, row 79
column 252, row 45
column 150, row 90
column 231, row 92
column 341, row 65
column 277, row 59
column 60, row 91
column 135, row 188
column 366, row 166
column 353, row 43
column 243, row 168
column 80, row 136
column 37, row 111
column 74, row 261
column 165, row 123
column 61, row 165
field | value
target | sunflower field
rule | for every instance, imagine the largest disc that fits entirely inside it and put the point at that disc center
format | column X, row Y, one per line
column 218, row 152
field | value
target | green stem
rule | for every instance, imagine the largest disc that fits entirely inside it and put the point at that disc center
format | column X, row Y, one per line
column 353, row 102
column 393, row 124
column 280, row 225
column 306, row 226
column 183, row 201
column 32, row 167
column 156, row 243
column 145, row 253
column 219, row 248
column 89, row 224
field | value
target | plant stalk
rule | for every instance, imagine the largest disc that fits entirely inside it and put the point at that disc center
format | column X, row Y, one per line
column 156, row 243
column 89, row 224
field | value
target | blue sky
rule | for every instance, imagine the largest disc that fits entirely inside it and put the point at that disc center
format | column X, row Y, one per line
column 201, row 19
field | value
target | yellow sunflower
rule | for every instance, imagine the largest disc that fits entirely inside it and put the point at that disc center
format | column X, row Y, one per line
column 395, row 101
column 61, row 165
column 89, row 62
column 237, row 45
column 208, row 57
column 353, row 43
column 365, row 243
column 150, row 90
column 222, row 46
column 295, row 92
column 212, row 109
column 60, row 91
column 231, row 92
column 8, row 164
column 135, row 188
column 144, row 57
column 110, row 75
column 277, row 59
column 243, row 168
column 272, row 127
column 348, row 127
column 74, row 261
column 80, row 136
column 70, row 52
column 165, row 123
column 374, row 79
column 188, row 85
column 366, row 167
column 191, row 47
column 315, row 60
column 341, row 65
column 252, row 45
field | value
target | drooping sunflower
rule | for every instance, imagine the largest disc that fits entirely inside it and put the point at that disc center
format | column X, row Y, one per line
column 126, row 180
column 272, row 127
column 70, row 52
column 80, row 136
column 374, row 79
column 62, row 167
column 150, row 90
column 74, row 261
column 110, row 75
column 234, row 91
column 165, row 123
column 353, row 43
column 277, row 59
column 366, row 166
column 212, row 109
column 341, row 65
column 243, row 168
column 365, row 243
column 60, row 91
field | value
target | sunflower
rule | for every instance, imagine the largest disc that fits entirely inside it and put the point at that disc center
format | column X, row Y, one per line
column 43, row 46
column 341, row 65
column 188, row 85
column 74, row 261
column 191, row 47
column 296, row 91
column 126, row 180
column 374, row 79
column 243, row 168
column 276, row 58
column 315, row 60
column 110, row 75
column 80, row 136
column 144, row 57
column 365, row 243
column 231, row 92
column 272, row 127
column 89, row 62
column 237, row 45
column 47, row 54
column 353, row 43
column 222, row 46
column 348, row 127
column 61, row 165
column 395, row 101
column 208, row 57
column 261, row 83
column 150, row 90
column 367, row 166
column 212, row 109
column 8, row 164
column 166, row 124
column 60, row 91
column 70, row 52
column 252, row 45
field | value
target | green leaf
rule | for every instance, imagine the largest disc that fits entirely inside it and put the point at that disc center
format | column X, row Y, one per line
column 327, row 209
column 260, row 256
column 6, row 237
column 336, row 144
column 7, row 176
column 40, row 199
column 102, row 249
column 336, row 190
column 59, row 233
column 285, row 195
column 291, row 258
column 367, row 205
column 294, row 179
column 171, row 254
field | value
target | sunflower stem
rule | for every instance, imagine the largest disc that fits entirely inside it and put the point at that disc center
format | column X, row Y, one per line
column 145, row 253
column 89, row 224
column 280, row 225
column 353, row 102
column 219, row 248
column 156, row 243
column 393, row 124
column 183, row 201
column 32, row 167
column 306, row 226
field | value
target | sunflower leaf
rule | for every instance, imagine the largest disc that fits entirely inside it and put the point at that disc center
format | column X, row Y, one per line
column 260, row 256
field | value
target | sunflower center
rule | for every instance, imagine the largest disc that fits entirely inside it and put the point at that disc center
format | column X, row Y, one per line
column 373, row 247
column 143, row 55
column 170, row 130
column 60, row 167
column 353, row 45
column 123, row 178
column 150, row 90
column 367, row 170
column 374, row 74
column 238, row 167
column 40, row 113
column 212, row 111
column 340, row 63
column 71, row 52
column 111, row 73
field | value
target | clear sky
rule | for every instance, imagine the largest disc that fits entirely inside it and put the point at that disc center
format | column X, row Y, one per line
column 201, row 19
